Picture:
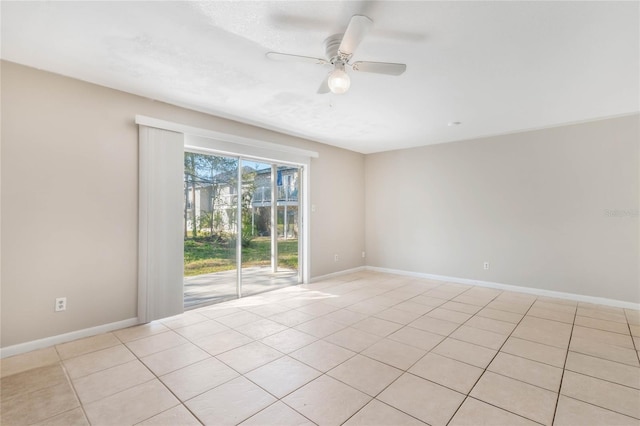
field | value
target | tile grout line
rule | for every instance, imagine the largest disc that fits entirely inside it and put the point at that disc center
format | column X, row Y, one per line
column 155, row 377
column 243, row 375
column 601, row 407
column 382, row 402
column 427, row 352
column 180, row 401
column 564, row 367
column 502, row 409
column 468, row 395
column 497, row 351
column 406, row 371
column 633, row 341
column 382, row 362
column 405, row 325
column 278, row 399
column 574, row 351
column 73, row 387
column 325, row 373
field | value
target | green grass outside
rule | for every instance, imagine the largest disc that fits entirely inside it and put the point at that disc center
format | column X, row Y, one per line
column 203, row 256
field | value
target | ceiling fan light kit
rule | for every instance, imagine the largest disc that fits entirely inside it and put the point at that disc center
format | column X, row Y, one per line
column 339, row 80
column 339, row 49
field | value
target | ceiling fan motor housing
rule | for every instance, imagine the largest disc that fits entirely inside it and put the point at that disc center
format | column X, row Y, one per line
column 331, row 45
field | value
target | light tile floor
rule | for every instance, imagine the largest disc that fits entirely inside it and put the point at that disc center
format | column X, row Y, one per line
column 363, row 349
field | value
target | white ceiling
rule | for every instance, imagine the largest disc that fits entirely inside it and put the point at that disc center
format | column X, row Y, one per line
column 497, row 67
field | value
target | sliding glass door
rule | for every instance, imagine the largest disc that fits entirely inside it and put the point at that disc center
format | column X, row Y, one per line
column 241, row 226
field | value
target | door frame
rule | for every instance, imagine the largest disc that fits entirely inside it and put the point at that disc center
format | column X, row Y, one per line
column 212, row 146
column 195, row 146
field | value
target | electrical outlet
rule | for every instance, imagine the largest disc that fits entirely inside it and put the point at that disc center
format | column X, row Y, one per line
column 486, row 265
column 363, row 255
column 61, row 304
column 336, row 258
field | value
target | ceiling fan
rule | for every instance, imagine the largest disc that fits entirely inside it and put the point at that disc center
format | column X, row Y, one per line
column 339, row 49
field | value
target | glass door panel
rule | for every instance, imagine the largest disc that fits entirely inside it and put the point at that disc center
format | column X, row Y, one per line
column 288, row 190
column 210, row 228
column 257, row 189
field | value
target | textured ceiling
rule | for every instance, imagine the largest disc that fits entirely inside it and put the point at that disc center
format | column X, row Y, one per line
column 496, row 67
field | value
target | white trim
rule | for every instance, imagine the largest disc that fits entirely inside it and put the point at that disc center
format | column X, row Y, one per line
column 239, row 228
column 194, row 143
column 219, row 136
column 519, row 289
column 206, row 145
column 305, row 223
column 66, row 337
column 337, row 274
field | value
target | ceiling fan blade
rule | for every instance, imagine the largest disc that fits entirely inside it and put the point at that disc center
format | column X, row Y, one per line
column 285, row 57
column 324, row 86
column 379, row 67
column 358, row 27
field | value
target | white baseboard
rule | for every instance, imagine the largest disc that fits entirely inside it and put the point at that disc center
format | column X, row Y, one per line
column 519, row 289
column 66, row 337
column 337, row 274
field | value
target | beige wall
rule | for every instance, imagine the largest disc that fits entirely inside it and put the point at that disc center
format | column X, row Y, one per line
column 69, row 201
column 536, row 205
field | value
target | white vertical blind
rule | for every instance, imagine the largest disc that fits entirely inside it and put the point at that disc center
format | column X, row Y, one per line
column 161, row 244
